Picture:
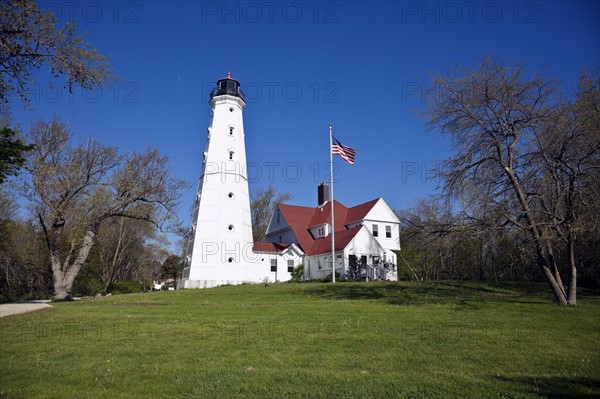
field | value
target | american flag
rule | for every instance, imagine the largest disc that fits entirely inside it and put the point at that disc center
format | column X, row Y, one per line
column 347, row 153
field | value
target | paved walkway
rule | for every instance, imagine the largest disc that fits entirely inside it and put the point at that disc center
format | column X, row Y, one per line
column 9, row 309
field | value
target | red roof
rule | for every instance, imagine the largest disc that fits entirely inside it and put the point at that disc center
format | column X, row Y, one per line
column 298, row 218
column 269, row 246
column 359, row 212
column 342, row 238
column 322, row 214
column 301, row 218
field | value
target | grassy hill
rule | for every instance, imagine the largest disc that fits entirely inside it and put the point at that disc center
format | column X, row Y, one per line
column 349, row 340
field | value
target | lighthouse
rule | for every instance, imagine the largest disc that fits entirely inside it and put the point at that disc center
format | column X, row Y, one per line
column 219, row 250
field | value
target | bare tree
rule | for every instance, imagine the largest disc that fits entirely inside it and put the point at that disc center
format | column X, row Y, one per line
column 430, row 236
column 121, row 247
column 568, row 154
column 74, row 189
column 30, row 40
column 500, row 126
column 263, row 204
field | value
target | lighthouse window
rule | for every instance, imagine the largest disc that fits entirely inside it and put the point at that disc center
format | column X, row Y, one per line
column 230, row 195
column 231, row 130
column 231, row 155
column 230, row 260
column 231, row 109
column 230, row 227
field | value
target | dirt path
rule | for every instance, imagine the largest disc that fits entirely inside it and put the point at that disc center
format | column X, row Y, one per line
column 9, row 309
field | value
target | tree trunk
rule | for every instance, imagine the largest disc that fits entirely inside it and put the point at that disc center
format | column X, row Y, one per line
column 557, row 290
column 544, row 259
column 64, row 277
column 113, row 266
column 572, row 299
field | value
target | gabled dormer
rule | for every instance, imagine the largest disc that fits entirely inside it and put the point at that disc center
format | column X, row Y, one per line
column 320, row 230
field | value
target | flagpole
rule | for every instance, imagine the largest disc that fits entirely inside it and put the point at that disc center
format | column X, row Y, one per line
column 332, row 214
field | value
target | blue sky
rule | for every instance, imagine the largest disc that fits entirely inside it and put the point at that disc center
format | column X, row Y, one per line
column 362, row 65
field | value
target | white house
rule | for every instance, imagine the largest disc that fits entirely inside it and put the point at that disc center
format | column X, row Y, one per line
column 367, row 234
column 277, row 261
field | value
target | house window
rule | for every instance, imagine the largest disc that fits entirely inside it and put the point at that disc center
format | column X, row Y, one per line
column 388, row 231
column 290, row 266
column 375, row 230
column 279, row 239
column 277, row 216
column 274, row 265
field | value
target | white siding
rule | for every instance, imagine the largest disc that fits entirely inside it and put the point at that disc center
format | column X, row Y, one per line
column 383, row 216
column 290, row 254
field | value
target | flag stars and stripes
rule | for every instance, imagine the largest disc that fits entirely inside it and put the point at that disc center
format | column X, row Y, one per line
column 346, row 153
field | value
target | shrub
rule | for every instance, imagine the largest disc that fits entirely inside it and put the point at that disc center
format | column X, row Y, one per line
column 87, row 286
column 328, row 278
column 298, row 273
column 126, row 287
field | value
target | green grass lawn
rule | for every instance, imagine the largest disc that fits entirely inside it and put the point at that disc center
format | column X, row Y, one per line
column 348, row 340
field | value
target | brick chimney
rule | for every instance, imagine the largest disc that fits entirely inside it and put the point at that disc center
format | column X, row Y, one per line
column 323, row 193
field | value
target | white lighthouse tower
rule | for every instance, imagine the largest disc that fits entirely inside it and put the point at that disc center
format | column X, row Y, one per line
column 220, row 248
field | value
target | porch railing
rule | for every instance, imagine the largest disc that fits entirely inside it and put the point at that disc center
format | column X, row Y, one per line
column 379, row 272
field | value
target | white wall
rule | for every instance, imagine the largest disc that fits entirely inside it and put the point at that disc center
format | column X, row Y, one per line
column 382, row 215
column 287, row 236
column 362, row 244
column 282, row 259
column 320, row 265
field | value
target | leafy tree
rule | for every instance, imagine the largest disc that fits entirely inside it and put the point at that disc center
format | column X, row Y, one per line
column 12, row 152
column 523, row 151
column 30, row 40
column 173, row 268
column 75, row 189
column 263, row 204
